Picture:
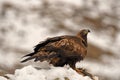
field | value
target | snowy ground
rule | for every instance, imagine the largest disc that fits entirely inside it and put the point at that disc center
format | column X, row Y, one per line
column 54, row 73
column 29, row 23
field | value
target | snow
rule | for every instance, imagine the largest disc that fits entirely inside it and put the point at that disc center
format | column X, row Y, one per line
column 2, row 78
column 31, row 73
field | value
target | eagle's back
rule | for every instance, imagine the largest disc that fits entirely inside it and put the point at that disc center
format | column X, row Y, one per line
column 72, row 44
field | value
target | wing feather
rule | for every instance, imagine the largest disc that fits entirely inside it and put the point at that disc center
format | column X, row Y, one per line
column 65, row 46
column 39, row 46
column 43, row 43
column 71, row 46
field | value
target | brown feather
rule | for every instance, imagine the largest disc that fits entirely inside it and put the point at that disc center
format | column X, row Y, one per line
column 61, row 50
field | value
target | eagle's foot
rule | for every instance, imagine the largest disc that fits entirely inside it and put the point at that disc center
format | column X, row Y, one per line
column 84, row 72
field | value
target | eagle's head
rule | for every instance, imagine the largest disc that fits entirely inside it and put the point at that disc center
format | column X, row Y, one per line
column 83, row 32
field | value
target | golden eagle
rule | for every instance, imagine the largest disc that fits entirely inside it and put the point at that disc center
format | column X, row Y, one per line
column 61, row 50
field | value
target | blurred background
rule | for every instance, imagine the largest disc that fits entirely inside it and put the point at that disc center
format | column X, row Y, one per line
column 24, row 23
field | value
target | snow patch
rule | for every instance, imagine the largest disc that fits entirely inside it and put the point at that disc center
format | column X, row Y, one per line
column 31, row 73
column 2, row 78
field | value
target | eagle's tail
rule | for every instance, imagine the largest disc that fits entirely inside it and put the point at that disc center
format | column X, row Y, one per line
column 29, row 58
column 52, row 53
column 40, row 57
column 30, row 54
